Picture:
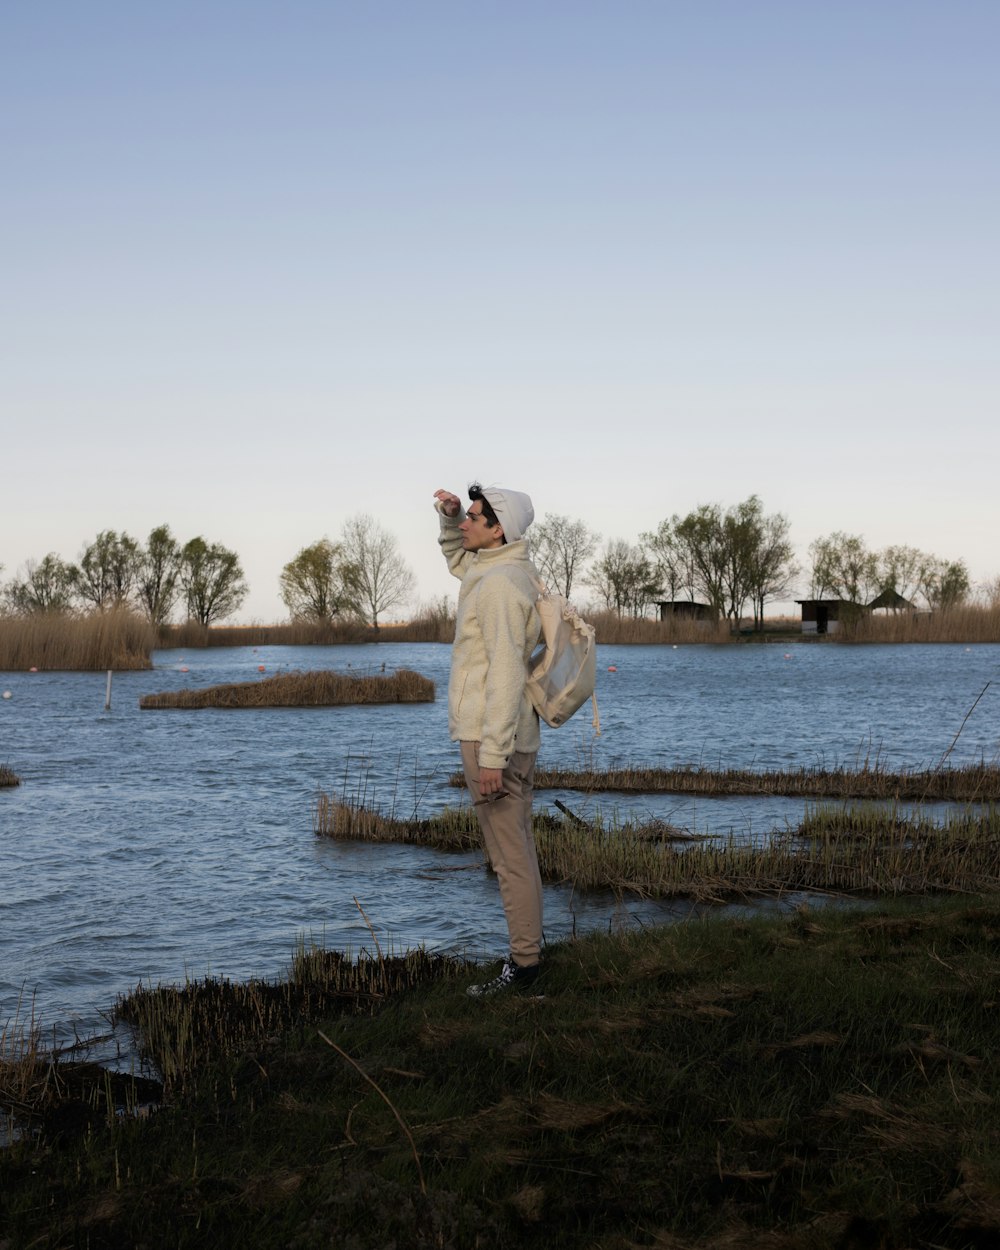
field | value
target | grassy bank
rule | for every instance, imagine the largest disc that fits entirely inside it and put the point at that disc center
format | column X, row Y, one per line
column 117, row 639
column 318, row 689
column 823, row 1082
column 875, row 850
column 972, row 783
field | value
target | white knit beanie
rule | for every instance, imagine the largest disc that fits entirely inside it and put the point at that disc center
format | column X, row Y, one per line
column 513, row 510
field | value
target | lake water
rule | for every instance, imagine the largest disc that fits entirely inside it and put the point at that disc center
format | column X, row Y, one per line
column 155, row 845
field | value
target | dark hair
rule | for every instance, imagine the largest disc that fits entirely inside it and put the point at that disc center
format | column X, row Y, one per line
column 476, row 492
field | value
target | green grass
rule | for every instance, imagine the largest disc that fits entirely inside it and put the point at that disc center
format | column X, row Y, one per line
column 317, row 689
column 821, row 1082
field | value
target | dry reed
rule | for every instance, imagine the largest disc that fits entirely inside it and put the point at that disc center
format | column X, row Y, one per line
column 971, row 623
column 8, row 777
column 429, row 628
column 22, row 1067
column 116, row 639
column 614, row 630
column 971, row 783
column 315, row 689
column 454, row 829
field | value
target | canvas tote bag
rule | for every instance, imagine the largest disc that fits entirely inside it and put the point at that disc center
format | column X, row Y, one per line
column 562, row 672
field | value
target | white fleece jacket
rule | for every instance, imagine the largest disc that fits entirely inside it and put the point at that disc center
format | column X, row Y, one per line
column 496, row 630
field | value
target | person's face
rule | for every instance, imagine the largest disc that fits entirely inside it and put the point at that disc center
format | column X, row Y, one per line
column 477, row 533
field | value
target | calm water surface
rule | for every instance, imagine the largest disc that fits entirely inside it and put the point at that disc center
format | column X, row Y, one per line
column 162, row 844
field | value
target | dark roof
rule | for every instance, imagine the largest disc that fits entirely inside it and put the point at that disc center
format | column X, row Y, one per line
column 890, row 599
column 848, row 602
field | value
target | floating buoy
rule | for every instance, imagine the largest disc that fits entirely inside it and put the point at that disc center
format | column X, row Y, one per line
column 32, row 669
column 788, row 655
column 6, row 694
column 612, row 668
column 260, row 668
column 185, row 669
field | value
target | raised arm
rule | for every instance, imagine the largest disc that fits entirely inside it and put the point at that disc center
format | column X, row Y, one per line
column 452, row 514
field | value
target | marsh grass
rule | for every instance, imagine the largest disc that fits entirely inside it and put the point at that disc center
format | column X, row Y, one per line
column 181, row 1030
column 822, row 1081
column 453, row 829
column 875, row 850
column 21, row 1065
column 8, row 777
column 969, row 783
column 117, row 639
column 315, row 689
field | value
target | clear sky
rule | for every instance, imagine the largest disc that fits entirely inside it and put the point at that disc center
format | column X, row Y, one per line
column 267, row 265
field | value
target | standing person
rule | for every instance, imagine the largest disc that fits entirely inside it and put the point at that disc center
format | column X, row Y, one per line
column 489, row 713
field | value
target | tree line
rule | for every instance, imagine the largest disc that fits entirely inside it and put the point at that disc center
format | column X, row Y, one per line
column 735, row 557
column 729, row 558
column 360, row 576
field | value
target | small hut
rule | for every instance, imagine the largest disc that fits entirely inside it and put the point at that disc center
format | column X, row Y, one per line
column 826, row 616
column 891, row 601
column 685, row 610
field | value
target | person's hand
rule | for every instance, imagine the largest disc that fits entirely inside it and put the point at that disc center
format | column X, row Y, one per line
column 490, row 780
column 451, row 504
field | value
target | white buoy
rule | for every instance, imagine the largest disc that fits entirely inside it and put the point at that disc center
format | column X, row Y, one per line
column 107, row 695
column 6, row 694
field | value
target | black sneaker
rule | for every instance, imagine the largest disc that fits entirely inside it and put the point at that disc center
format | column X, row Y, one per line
column 510, row 977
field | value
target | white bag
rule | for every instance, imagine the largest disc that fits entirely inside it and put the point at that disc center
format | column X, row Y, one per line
column 562, row 673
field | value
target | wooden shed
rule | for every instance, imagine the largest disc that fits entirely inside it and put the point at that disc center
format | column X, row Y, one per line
column 685, row 610
column 825, row 616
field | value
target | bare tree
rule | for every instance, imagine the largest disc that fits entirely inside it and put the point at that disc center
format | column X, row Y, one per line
column 312, row 584
column 212, row 579
column 156, row 583
column 560, row 547
column 988, row 592
column 47, row 585
column 375, row 574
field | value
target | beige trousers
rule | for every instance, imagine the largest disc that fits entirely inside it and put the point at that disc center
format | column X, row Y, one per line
column 510, row 846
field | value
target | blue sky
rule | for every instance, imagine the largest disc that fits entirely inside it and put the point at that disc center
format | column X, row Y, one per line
column 269, row 265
